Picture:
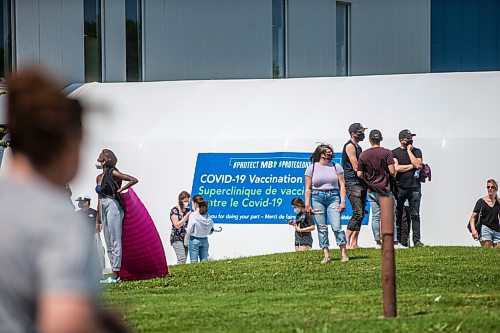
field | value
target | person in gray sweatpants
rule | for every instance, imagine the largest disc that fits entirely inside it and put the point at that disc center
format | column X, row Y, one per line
column 111, row 219
column 111, row 208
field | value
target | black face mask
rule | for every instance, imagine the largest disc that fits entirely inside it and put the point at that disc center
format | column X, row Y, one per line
column 328, row 157
column 409, row 142
column 360, row 136
column 80, row 204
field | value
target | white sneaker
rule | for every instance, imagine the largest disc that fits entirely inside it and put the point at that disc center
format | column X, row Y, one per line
column 110, row 280
column 400, row 246
column 378, row 246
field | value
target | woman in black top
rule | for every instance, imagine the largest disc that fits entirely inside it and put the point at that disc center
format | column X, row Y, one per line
column 303, row 224
column 487, row 210
column 110, row 208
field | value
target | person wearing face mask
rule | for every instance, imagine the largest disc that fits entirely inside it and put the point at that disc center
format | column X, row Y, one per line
column 325, row 192
column 355, row 188
column 179, row 216
column 90, row 215
column 200, row 226
column 408, row 161
column 111, row 208
column 303, row 225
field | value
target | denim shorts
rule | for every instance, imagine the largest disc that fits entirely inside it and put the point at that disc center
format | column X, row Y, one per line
column 488, row 234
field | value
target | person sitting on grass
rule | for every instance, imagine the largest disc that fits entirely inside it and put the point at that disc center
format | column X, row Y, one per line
column 303, row 224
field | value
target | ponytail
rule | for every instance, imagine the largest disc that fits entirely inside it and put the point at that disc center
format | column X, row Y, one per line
column 202, row 204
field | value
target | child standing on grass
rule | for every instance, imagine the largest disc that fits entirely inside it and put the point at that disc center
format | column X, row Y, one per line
column 200, row 225
column 303, row 224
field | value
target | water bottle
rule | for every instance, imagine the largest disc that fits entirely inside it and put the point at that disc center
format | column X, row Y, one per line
column 417, row 174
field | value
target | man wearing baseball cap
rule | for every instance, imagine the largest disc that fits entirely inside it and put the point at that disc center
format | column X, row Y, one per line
column 88, row 213
column 376, row 165
column 408, row 162
column 355, row 189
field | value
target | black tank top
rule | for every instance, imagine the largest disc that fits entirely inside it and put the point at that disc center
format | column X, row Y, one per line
column 349, row 173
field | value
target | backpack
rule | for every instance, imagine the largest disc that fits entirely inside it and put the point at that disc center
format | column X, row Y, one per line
column 425, row 173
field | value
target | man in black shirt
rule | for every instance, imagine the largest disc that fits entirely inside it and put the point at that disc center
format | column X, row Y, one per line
column 88, row 213
column 408, row 162
column 355, row 189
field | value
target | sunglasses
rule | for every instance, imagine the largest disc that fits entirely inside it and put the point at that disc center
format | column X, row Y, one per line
column 490, row 187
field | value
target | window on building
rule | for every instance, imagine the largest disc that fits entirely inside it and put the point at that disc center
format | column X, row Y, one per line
column 279, row 38
column 343, row 24
column 92, row 40
column 133, row 28
column 6, row 38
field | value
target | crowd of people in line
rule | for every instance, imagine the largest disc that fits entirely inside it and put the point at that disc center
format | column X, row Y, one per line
column 48, row 280
column 374, row 172
column 362, row 176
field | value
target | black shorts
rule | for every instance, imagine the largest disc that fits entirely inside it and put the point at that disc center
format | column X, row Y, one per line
column 303, row 240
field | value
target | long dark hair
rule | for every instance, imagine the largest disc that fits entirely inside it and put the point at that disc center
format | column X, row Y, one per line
column 202, row 204
column 320, row 149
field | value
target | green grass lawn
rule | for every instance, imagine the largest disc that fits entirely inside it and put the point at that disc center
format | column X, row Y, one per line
column 439, row 289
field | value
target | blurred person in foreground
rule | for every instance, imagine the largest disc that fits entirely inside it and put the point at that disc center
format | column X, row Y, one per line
column 48, row 276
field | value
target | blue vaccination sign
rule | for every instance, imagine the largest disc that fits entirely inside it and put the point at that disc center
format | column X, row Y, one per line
column 253, row 188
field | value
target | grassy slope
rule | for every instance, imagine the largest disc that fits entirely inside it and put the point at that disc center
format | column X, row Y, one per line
column 292, row 292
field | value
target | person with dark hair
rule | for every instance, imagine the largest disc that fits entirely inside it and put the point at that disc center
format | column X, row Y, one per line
column 179, row 216
column 355, row 188
column 375, row 166
column 89, row 214
column 303, row 224
column 487, row 209
column 325, row 192
column 48, row 279
column 408, row 162
column 200, row 225
column 111, row 209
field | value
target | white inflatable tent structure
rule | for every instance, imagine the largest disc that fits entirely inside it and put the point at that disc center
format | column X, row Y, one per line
column 158, row 128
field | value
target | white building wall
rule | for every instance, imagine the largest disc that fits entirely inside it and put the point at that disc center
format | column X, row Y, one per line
column 452, row 115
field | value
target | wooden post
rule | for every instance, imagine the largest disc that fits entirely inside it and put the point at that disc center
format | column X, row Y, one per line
column 388, row 260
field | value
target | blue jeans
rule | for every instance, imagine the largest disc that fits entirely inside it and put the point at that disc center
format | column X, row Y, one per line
column 198, row 248
column 488, row 234
column 413, row 195
column 374, row 199
column 326, row 203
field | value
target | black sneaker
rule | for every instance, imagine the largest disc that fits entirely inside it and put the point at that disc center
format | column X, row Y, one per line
column 418, row 244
